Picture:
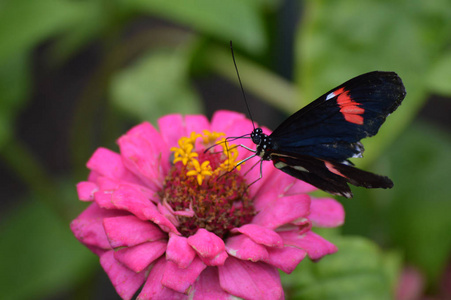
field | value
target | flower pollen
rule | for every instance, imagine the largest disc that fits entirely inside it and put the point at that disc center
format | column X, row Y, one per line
column 206, row 184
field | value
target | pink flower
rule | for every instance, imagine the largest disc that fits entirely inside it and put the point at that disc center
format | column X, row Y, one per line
column 170, row 218
column 411, row 284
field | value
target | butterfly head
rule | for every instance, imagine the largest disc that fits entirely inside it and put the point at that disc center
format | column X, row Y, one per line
column 256, row 136
column 263, row 142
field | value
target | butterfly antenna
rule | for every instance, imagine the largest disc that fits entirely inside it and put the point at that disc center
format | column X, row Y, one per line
column 241, row 85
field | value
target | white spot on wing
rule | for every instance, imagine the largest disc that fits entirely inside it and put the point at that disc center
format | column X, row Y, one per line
column 330, row 96
column 299, row 168
column 280, row 165
column 347, row 194
column 357, row 155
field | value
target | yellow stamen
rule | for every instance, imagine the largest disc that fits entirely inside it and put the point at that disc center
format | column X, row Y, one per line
column 210, row 137
column 184, row 153
column 200, row 170
column 189, row 155
column 231, row 154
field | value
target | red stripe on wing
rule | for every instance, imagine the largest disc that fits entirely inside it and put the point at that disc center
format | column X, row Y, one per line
column 350, row 109
column 332, row 169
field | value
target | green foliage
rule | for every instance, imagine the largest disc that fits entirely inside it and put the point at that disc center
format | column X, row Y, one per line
column 40, row 254
column 237, row 20
column 24, row 24
column 359, row 270
column 414, row 215
column 143, row 89
column 440, row 77
column 419, row 214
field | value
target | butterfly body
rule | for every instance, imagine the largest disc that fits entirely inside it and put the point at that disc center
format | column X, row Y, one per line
column 315, row 143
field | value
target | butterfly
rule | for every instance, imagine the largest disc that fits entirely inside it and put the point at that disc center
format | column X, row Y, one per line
column 315, row 143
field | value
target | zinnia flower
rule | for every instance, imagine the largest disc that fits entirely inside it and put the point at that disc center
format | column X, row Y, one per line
column 181, row 222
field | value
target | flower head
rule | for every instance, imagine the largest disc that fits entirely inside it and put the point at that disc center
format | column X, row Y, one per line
column 180, row 221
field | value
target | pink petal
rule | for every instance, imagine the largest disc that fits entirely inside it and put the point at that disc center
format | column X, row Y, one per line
column 240, row 127
column 300, row 187
column 106, row 188
column 166, row 211
column 283, row 210
column 125, row 281
column 315, row 246
column 275, row 188
column 260, row 235
column 180, row 280
column 244, row 248
column 103, row 199
column 88, row 226
column 143, row 158
column 107, row 184
column 153, row 289
column 139, row 257
column 267, row 172
column 303, row 225
column 129, row 231
column 196, row 123
column 326, row 212
column 158, row 146
column 250, row 280
column 206, row 244
column 222, row 120
column 86, row 190
column 207, row 287
column 218, row 260
column 130, row 199
column 286, row 258
column 109, row 164
column 278, row 186
column 179, row 251
column 93, row 175
column 172, row 128
column 96, row 250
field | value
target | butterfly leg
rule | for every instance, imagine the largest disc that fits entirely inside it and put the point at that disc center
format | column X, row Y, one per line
column 261, row 172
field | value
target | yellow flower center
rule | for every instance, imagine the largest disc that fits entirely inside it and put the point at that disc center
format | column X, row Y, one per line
column 202, row 189
column 201, row 167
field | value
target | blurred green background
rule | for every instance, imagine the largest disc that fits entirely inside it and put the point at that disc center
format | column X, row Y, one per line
column 75, row 75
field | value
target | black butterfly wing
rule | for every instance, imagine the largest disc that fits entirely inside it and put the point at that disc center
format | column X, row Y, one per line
column 328, row 176
column 332, row 126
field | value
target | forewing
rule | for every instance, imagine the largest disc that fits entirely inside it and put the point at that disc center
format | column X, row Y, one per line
column 332, row 126
column 331, row 177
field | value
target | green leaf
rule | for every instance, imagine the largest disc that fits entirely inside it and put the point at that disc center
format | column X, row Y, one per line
column 237, row 20
column 155, row 85
column 439, row 80
column 23, row 23
column 40, row 255
column 418, row 215
column 359, row 270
